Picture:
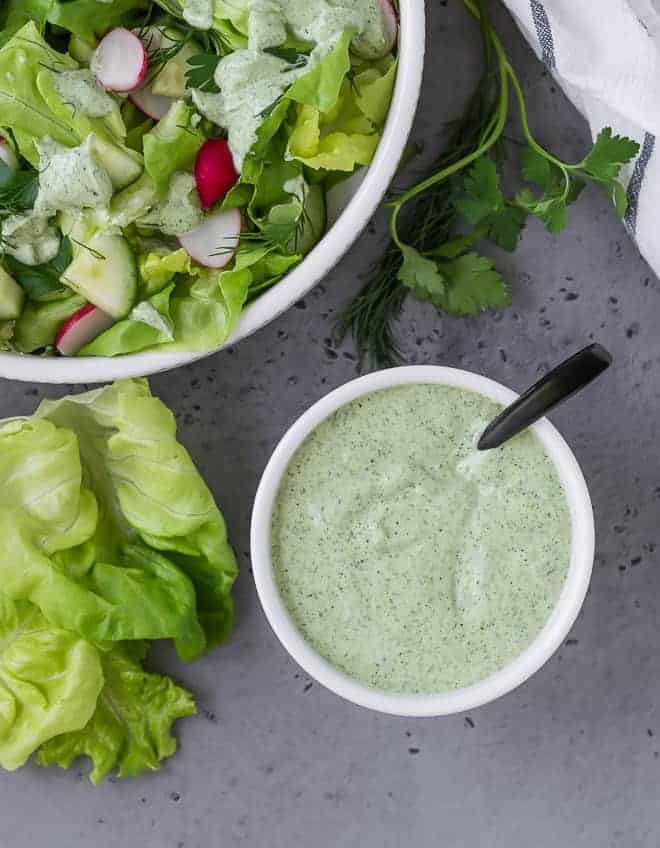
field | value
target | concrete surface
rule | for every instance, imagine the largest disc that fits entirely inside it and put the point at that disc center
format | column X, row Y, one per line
column 272, row 761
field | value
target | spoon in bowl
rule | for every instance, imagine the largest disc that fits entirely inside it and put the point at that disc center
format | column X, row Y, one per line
column 554, row 388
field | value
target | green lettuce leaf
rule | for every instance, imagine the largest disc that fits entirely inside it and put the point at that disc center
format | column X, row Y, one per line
column 151, row 494
column 345, row 135
column 85, row 18
column 172, row 145
column 74, row 553
column 49, row 681
column 30, row 104
column 320, row 86
column 200, row 312
column 37, row 326
column 147, row 326
column 131, row 728
column 159, row 269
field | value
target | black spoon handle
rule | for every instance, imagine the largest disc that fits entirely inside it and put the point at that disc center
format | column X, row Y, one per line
column 557, row 386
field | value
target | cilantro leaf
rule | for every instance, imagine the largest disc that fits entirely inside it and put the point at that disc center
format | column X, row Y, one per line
column 551, row 210
column 18, row 189
column 539, row 170
column 505, row 228
column 482, row 190
column 40, row 280
column 421, row 274
column 200, row 74
column 472, row 285
column 608, row 154
column 484, row 205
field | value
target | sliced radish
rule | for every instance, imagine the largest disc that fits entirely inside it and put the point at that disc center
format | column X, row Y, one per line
column 379, row 47
column 214, row 243
column 120, row 61
column 156, row 106
column 81, row 328
column 153, row 105
column 391, row 23
column 7, row 155
column 215, row 173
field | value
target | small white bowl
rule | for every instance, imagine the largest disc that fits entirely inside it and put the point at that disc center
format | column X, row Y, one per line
column 352, row 208
column 507, row 678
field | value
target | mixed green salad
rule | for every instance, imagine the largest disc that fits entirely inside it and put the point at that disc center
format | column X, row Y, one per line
column 163, row 163
column 110, row 538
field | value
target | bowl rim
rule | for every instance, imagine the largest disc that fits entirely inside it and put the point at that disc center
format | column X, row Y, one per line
column 318, row 262
column 501, row 682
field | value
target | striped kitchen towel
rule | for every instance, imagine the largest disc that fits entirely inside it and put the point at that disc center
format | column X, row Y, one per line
column 605, row 54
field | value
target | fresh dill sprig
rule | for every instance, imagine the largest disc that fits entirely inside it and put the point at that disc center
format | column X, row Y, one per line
column 434, row 224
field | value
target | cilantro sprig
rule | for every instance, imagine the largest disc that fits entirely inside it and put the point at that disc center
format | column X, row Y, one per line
column 435, row 224
column 18, row 189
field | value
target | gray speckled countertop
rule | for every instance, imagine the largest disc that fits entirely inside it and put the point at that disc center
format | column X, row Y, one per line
column 571, row 758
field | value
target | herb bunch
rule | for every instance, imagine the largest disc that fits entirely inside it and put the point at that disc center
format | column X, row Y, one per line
column 435, row 224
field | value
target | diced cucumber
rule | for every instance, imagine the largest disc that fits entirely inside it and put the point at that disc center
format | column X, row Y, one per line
column 105, row 273
column 133, row 202
column 38, row 325
column 170, row 81
column 81, row 50
column 124, row 166
column 313, row 222
column 79, row 228
column 11, row 297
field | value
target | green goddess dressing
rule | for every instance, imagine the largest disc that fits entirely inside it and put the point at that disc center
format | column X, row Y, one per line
column 407, row 558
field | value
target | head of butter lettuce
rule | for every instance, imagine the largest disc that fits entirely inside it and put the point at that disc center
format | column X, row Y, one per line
column 109, row 538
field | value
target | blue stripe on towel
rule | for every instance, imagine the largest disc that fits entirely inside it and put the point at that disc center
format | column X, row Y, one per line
column 543, row 32
column 635, row 184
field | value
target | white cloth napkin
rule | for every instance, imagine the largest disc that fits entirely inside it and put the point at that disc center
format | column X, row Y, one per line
column 605, row 54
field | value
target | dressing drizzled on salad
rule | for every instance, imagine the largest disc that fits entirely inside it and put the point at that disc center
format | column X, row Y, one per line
column 251, row 79
column 171, row 162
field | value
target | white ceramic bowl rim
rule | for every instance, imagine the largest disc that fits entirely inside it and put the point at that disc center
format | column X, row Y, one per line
column 504, row 680
column 301, row 279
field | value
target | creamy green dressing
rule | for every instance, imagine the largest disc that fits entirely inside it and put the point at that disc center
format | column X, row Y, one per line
column 30, row 238
column 407, row 558
column 80, row 90
column 198, row 13
column 70, row 178
column 250, row 80
column 181, row 211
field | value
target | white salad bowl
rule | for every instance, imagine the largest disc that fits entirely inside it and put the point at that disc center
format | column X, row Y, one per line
column 506, row 679
column 362, row 199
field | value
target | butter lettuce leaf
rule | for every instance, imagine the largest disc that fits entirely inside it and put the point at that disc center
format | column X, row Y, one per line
column 150, row 492
column 50, row 679
column 320, row 86
column 172, row 145
column 74, row 553
column 131, row 728
column 30, row 104
column 84, row 18
column 106, row 525
column 345, row 135
column 200, row 309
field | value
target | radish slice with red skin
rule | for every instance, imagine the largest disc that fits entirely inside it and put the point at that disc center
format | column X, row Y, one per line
column 81, row 328
column 120, row 61
column 391, row 22
column 215, row 173
column 7, row 155
column 155, row 106
column 214, row 243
